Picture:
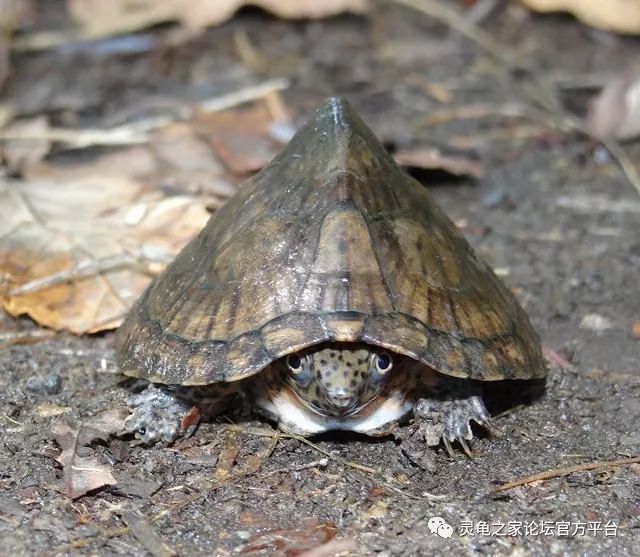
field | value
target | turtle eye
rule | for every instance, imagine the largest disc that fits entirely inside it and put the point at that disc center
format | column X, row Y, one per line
column 383, row 362
column 294, row 363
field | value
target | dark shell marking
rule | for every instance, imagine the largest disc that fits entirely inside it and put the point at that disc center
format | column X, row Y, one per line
column 331, row 242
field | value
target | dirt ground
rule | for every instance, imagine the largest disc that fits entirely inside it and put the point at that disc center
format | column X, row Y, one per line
column 553, row 213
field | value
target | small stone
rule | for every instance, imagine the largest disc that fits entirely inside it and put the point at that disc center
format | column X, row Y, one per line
column 50, row 384
column 498, row 199
column 243, row 534
column 595, row 322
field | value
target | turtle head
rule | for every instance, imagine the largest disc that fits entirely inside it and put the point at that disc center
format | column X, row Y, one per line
column 337, row 380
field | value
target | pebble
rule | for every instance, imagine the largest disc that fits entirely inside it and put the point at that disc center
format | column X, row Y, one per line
column 50, row 384
column 595, row 322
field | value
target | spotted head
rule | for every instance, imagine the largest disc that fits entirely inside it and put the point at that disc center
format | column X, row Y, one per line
column 338, row 380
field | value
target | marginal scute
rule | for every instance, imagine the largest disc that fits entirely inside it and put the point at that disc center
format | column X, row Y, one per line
column 398, row 332
column 345, row 330
column 329, row 242
column 455, row 359
column 292, row 332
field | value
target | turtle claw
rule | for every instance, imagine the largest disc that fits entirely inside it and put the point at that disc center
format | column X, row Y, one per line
column 457, row 420
column 447, row 445
column 465, row 447
column 159, row 415
column 454, row 417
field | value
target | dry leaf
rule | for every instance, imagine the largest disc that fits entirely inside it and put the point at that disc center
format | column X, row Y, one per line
column 332, row 548
column 430, row 158
column 615, row 112
column 242, row 139
column 621, row 16
column 289, row 543
column 79, row 242
column 135, row 162
column 67, row 247
column 100, row 18
column 83, row 472
column 188, row 163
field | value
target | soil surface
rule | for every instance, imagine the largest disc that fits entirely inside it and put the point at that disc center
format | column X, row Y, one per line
column 553, row 214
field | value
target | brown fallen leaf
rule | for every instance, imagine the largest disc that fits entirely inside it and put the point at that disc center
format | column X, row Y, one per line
column 80, row 241
column 75, row 253
column 187, row 161
column 242, row 139
column 615, row 112
column 332, row 548
column 292, row 542
column 82, row 472
column 98, row 18
column 621, row 16
column 136, row 162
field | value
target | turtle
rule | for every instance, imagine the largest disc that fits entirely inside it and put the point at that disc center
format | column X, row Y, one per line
column 331, row 293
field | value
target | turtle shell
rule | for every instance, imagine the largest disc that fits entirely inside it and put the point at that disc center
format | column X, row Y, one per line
column 331, row 241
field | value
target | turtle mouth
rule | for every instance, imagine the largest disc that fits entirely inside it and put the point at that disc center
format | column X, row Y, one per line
column 346, row 408
column 343, row 404
column 333, row 408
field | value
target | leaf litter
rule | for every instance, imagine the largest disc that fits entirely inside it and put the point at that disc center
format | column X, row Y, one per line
column 79, row 242
column 98, row 18
column 80, row 232
column 82, row 472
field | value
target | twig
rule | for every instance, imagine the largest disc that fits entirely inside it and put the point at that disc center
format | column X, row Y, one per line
column 321, row 463
column 484, row 110
column 245, row 95
column 83, row 269
column 138, row 132
column 269, row 433
column 11, row 420
column 592, row 204
column 24, row 337
column 354, row 465
column 556, row 473
column 78, row 138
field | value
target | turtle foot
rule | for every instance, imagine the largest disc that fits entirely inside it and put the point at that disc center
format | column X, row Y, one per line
column 455, row 416
column 158, row 414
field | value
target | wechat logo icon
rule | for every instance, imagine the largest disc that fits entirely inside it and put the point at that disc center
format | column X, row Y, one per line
column 438, row 525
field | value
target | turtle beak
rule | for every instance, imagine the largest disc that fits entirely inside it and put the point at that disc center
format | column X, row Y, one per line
column 342, row 400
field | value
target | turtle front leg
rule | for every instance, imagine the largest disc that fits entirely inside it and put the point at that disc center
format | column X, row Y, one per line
column 166, row 412
column 453, row 406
